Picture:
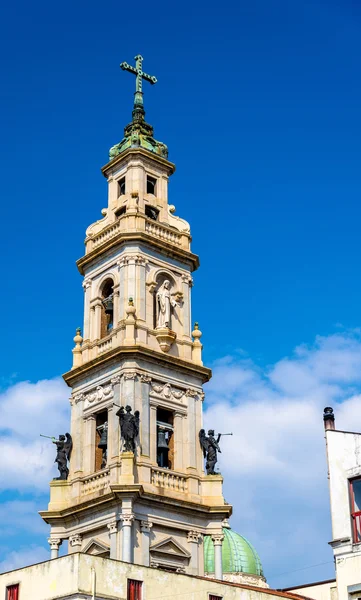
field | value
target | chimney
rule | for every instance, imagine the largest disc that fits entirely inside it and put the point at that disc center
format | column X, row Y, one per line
column 328, row 418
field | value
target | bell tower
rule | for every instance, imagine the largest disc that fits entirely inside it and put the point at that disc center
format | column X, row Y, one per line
column 146, row 499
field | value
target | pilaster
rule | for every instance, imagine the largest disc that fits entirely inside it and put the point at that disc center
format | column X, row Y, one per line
column 145, row 527
column 193, row 540
column 113, row 538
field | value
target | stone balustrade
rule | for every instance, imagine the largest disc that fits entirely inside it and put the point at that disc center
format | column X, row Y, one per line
column 104, row 346
column 169, row 480
column 137, row 223
column 163, row 233
column 96, row 482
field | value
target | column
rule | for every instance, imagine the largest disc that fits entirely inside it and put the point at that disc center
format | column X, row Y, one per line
column 218, row 567
column 127, row 520
column 116, row 307
column 186, row 281
column 121, row 314
column 128, row 388
column 91, row 322
column 192, row 538
column 131, row 279
column 141, row 303
column 89, row 445
column 97, row 320
column 86, row 328
column 145, row 414
column 153, row 433
column 145, row 527
column 54, row 543
column 178, row 441
column 113, row 423
column 113, row 534
column 192, row 434
column 75, row 542
column 77, row 422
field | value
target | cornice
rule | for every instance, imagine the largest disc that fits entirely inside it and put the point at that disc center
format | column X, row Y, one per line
column 148, row 155
column 137, row 351
column 124, row 237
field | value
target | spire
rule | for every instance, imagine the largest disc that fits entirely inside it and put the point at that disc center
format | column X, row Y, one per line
column 139, row 132
column 138, row 111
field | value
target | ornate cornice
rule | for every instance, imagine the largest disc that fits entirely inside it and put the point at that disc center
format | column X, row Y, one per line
column 113, row 527
column 75, row 540
column 55, row 543
column 145, row 526
column 127, row 519
column 137, row 351
column 193, row 536
column 124, row 237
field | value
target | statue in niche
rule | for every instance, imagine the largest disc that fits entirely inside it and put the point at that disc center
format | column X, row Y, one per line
column 64, row 447
column 129, row 427
column 210, row 448
column 103, row 443
column 164, row 305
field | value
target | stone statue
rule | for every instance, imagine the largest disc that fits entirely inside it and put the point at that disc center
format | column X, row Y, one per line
column 210, row 447
column 64, row 446
column 129, row 427
column 164, row 303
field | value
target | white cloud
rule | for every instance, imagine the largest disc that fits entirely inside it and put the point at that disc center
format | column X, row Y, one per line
column 275, row 463
column 24, row 557
column 28, row 409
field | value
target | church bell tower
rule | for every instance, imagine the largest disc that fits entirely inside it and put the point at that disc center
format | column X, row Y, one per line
column 137, row 490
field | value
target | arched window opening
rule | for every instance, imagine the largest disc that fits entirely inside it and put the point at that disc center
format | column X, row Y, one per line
column 107, row 317
column 101, row 440
column 165, row 438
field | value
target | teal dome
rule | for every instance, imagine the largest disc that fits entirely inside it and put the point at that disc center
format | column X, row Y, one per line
column 238, row 555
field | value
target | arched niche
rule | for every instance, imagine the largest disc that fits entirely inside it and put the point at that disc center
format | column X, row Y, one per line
column 155, row 280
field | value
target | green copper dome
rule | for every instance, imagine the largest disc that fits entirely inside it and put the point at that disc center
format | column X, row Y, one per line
column 238, row 555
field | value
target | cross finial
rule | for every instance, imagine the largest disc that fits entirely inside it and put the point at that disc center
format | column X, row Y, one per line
column 140, row 75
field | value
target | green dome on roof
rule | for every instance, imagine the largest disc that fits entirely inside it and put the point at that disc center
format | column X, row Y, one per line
column 238, row 555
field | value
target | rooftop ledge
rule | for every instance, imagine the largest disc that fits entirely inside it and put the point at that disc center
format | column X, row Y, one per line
column 72, row 574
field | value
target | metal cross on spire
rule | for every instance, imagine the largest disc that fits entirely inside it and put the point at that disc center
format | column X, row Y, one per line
column 140, row 75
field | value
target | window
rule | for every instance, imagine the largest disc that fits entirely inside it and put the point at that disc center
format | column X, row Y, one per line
column 106, row 322
column 165, row 439
column 134, row 591
column 121, row 186
column 12, row 592
column 151, row 212
column 151, row 185
column 355, row 500
column 101, row 440
column 213, row 597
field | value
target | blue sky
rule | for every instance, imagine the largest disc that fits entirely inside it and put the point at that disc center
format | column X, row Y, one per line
column 259, row 105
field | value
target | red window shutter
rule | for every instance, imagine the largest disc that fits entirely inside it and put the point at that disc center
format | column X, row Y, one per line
column 134, row 590
column 12, row 592
column 212, row 597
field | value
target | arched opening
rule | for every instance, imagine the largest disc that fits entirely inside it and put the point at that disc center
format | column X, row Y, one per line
column 107, row 316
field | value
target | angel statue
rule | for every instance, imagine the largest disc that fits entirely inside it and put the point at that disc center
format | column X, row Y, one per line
column 164, row 304
column 210, row 447
column 129, row 427
column 64, row 447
